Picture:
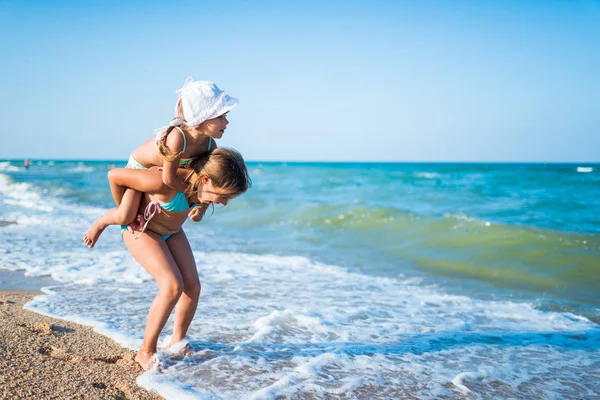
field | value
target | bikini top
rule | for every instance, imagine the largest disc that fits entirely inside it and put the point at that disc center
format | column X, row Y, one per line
column 184, row 162
column 176, row 204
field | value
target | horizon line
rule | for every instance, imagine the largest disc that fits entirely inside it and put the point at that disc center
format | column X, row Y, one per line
column 329, row 161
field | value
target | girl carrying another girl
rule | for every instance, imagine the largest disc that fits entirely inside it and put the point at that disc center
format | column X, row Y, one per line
column 161, row 246
column 200, row 117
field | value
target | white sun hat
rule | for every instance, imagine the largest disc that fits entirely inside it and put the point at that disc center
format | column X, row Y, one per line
column 203, row 100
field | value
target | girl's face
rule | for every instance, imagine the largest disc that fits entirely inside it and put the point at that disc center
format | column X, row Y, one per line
column 208, row 193
column 213, row 127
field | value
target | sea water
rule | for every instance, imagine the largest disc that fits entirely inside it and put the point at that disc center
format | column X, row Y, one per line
column 369, row 281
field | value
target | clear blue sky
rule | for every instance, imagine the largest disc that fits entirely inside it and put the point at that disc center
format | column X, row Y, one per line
column 317, row 80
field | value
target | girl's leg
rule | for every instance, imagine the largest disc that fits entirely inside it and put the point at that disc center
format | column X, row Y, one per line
column 124, row 214
column 188, row 302
column 151, row 251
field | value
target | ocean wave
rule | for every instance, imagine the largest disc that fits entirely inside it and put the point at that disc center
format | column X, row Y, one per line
column 7, row 166
column 79, row 170
column 564, row 263
column 427, row 175
column 22, row 193
column 32, row 203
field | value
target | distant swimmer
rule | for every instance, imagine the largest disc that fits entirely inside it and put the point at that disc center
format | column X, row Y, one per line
column 27, row 163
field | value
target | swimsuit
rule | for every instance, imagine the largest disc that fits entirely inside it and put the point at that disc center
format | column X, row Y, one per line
column 183, row 163
column 177, row 203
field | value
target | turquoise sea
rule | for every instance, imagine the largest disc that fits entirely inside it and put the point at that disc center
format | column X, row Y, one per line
column 344, row 280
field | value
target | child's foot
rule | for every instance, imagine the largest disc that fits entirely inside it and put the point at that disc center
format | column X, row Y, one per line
column 146, row 360
column 178, row 347
column 90, row 237
column 180, row 351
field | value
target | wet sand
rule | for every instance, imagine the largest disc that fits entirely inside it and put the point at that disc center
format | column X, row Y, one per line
column 43, row 357
column 17, row 281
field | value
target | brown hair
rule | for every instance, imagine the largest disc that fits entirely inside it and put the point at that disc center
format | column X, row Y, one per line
column 224, row 167
column 161, row 142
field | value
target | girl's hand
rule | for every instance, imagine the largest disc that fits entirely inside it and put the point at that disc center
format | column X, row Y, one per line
column 198, row 212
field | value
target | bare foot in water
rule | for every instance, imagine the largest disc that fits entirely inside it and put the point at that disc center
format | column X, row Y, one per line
column 180, row 349
column 145, row 359
column 90, row 237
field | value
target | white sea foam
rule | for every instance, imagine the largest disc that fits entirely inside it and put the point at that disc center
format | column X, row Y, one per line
column 22, row 194
column 80, row 168
column 461, row 216
column 7, row 166
column 170, row 387
column 273, row 326
column 585, row 169
column 427, row 175
column 32, row 205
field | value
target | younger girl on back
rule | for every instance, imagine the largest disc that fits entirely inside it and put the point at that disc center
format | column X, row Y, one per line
column 200, row 117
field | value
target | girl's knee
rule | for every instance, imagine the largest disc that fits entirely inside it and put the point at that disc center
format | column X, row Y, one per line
column 192, row 289
column 172, row 288
column 125, row 217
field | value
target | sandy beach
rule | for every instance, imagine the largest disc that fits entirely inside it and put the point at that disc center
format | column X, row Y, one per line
column 42, row 357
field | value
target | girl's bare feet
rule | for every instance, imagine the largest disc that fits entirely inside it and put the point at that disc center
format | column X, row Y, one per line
column 146, row 359
column 90, row 237
column 183, row 350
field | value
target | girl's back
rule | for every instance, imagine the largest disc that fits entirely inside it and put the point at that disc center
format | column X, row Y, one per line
column 148, row 155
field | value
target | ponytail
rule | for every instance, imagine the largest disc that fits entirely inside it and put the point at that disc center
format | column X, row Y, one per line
column 161, row 140
column 161, row 145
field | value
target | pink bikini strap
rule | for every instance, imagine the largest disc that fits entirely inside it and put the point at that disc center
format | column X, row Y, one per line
column 151, row 210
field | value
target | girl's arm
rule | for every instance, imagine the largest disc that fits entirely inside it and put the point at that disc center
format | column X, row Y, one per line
column 147, row 181
column 169, row 175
